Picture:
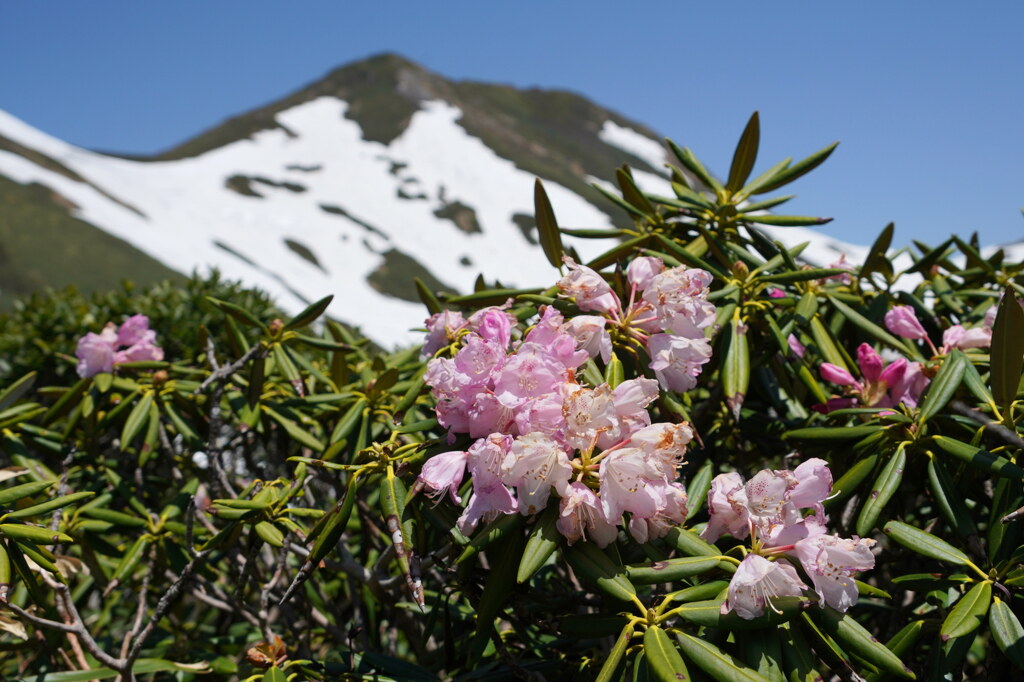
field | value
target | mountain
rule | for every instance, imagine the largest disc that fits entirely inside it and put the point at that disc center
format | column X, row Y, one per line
column 352, row 185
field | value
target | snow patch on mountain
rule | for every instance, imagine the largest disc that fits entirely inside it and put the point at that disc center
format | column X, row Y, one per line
column 629, row 140
column 317, row 191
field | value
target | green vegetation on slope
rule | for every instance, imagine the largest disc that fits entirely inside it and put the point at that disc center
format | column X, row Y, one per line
column 42, row 245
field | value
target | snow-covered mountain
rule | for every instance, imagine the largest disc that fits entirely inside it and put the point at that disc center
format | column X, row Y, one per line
column 377, row 173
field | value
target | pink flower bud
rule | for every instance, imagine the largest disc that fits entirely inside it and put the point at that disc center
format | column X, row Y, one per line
column 644, row 269
column 837, row 375
column 902, row 321
column 443, row 473
column 870, row 362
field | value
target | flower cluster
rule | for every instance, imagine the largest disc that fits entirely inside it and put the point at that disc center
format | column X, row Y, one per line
column 668, row 311
column 538, row 430
column 882, row 386
column 770, row 509
column 133, row 341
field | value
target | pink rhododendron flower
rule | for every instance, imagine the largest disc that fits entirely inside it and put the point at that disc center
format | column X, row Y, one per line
column 443, row 473
column 902, row 321
column 677, row 360
column 958, row 337
column 533, row 466
column 588, row 288
column 624, row 476
column 134, row 341
column 642, row 271
column 95, row 354
column 591, row 336
column 580, row 516
column 883, row 386
column 493, row 324
column 679, row 299
column 671, row 512
column 831, row 561
column 442, row 329
column 756, row 582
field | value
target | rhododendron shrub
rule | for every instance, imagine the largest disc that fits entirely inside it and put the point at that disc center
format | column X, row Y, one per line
column 699, row 454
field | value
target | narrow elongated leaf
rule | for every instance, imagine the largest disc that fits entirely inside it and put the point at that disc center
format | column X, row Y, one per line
column 692, row 164
column 269, row 533
column 48, row 506
column 662, row 658
column 238, row 312
column 697, row 490
column 669, row 570
column 885, row 486
column 1007, row 351
column 296, row 432
column 1007, row 631
column 830, row 433
column 547, row 226
column 428, row 297
column 16, row 390
column 540, row 546
column 852, row 635
column 36, row 534
column 784, row 220
column 745, row 156
column 501, row 528
column 17, row 492
column 611, row 664
column 708, row 613
column 966, row 616
column 924, row 543
column 309, row 314
column 716, row 662
column 949, row 499
column 979, row 458
column 850, row 480
column 826, row 344
column 944, row 385
column 137, row 419
column 594, row 566
column 798, row 169
column 630, row 192
column 497, row 591
column 736, row 367
column 802, row 275
column 874, row 330
column 877, row 260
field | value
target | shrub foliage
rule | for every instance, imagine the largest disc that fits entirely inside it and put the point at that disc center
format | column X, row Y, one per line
column 251, row 506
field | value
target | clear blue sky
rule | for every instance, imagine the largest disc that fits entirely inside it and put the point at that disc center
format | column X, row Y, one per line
column 926, row 97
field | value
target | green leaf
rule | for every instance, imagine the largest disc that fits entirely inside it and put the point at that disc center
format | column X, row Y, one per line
column 784, row 220
column 137, row 419
column 944, row 385
column 826, row 344
column 296, row 432
column 736, row 367
column 830, row 433
column 547, row 226
column 497, row 591
column 269, row 533
column 275, row 674
column 36, row 534
column 1007, row 631
column 691, row 544
column 48, row 506
column 708, row 613
column 885, row 486
column 693, row 164
column 979, row 458
column 143, row 666
column 874, row 330
column 716, row 662
column 540, row 546
column 428, row 297
column 669, row 570
column 924, row 543
column 16, row 390
column 614, row 373
column 697, row 490
column 949, row 499
column 238, row 312
column 966, row 616
column 593, row 565
column 802, row 275
column 611, row 664
column 630, row 192
column 18, row 492
column 850, row 480
column 851, row 634
column 800, row 168
column 877, row 260
column 662, row 657
column 1007, row 351
column 309, row 314
column 745, row 155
